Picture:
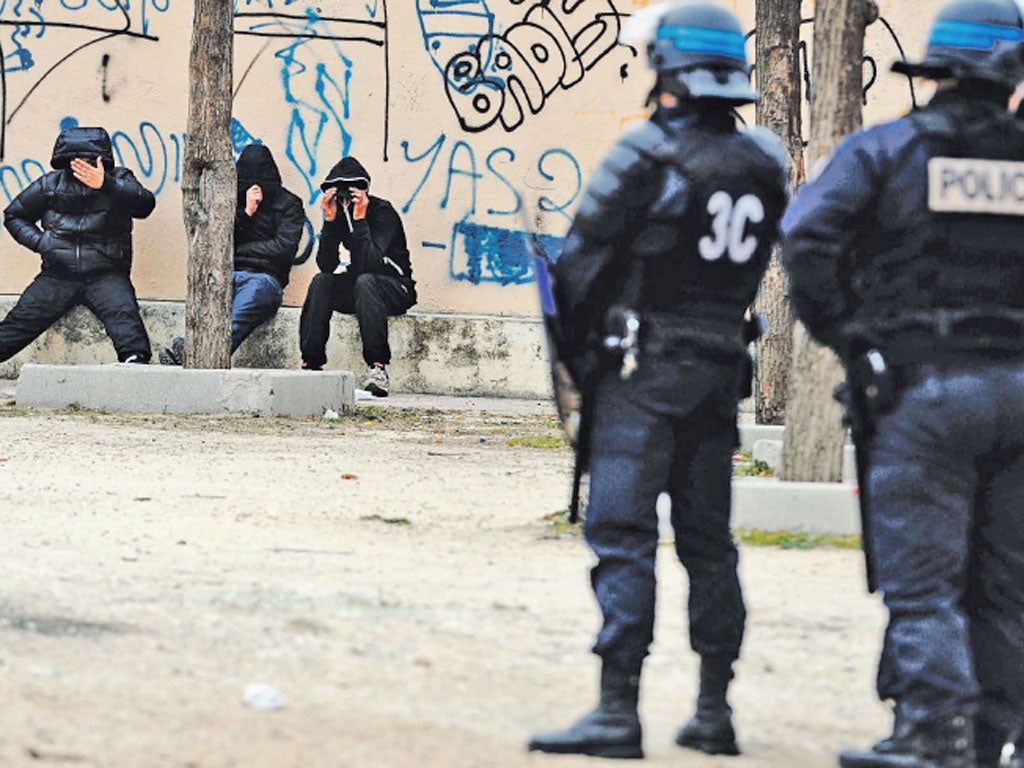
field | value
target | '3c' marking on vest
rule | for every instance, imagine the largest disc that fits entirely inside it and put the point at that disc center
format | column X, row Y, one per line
column 971, row 185
column 728, row 225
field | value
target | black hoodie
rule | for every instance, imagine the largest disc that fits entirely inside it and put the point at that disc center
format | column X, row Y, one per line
column 267, row 241
column 77, row 229
column 376, row 244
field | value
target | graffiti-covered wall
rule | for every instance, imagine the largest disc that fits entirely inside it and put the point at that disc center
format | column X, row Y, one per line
column 476, row 118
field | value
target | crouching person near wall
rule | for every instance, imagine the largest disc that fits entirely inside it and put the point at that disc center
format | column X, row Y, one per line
column 268, row 226
column 78, row 218
column 375, row 284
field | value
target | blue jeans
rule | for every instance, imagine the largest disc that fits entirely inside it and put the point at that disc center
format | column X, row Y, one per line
column 946, row 484
column 257, row 298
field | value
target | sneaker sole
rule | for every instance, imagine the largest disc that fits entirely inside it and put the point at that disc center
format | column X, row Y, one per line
column 376, row 391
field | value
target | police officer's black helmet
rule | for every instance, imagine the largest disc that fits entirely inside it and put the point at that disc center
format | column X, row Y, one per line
column 974, row 40
column 698, row 50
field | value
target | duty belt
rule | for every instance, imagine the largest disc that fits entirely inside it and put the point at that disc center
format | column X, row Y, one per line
column 927, row 336
column 664, row 334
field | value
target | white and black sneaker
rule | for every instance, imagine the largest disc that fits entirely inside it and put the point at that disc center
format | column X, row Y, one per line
column 377, row 382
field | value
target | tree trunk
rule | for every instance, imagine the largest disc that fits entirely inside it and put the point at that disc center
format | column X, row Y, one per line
column 813, row 449
column 208, row 188
column 778, row 81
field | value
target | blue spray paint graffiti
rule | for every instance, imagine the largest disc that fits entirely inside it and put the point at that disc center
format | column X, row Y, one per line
column 151, row 154
column 107, row 19
column 317, row 90
column 484, row 253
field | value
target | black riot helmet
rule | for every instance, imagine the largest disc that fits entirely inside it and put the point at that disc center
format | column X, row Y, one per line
column 698, row 50
column 974, row 40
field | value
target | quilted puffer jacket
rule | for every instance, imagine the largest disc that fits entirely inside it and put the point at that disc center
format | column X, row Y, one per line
column 74, row 228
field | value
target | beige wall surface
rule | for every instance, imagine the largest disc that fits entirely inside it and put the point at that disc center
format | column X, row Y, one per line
column 476, row 118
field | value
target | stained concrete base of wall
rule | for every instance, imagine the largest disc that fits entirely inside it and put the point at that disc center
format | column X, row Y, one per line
column 442, row 354
column 124, row 387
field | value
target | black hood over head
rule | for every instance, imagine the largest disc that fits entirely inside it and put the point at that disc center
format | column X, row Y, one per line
column 348, row 173
column 86, row 143
column 256, row 166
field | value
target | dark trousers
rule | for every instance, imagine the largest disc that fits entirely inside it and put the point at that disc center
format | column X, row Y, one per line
column 637, row 453
column 947, row 512
column 371, row 298
column 109, row 296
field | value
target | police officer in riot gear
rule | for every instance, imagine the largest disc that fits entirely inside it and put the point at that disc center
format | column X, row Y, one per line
column 905, row 257
column 668, row 247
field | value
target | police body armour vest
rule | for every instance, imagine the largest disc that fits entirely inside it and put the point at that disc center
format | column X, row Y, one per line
column 704, row 252
column 964, row 249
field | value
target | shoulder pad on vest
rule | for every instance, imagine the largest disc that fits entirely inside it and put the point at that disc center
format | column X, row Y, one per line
column 931, row 122
column 770, row 144
column 646, row 138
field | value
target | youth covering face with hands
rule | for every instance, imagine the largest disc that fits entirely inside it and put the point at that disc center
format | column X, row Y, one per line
column 253, row 198
column 90, row 175
column 358, row 199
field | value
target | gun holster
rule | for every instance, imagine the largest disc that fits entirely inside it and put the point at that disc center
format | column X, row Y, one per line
column 870, row 390
column 622, row 338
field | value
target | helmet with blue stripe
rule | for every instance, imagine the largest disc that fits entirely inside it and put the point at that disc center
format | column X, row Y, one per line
column 697, row 48
column 974, row 40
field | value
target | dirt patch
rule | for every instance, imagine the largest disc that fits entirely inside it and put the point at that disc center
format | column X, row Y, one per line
column 398, row 577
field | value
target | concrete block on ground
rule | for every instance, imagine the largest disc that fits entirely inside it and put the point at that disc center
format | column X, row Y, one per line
column 768, row 451
column 772, row 505
column 167, row 389
column 751, row 433
column 771, row 453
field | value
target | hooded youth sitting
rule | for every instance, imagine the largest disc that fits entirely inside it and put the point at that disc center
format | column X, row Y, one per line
column 375, row 284
column 78, row 218
column 268, row 226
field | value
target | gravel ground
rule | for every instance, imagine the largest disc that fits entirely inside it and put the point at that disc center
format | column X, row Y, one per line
column 393, row 576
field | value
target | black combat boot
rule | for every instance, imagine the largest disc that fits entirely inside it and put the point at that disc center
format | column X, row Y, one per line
column 946, row 743
column 710, row 729
column 611, row 730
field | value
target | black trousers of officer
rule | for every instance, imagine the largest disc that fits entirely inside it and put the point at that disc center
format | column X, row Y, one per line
column 371, row 298
column 947, row 512
column 675, row 433
column 110, row 296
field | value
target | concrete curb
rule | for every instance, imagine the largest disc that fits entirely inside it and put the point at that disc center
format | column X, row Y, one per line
column 161, row 389
column 772, row 505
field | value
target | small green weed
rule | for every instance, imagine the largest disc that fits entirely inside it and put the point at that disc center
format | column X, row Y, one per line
column 559, row 522
column 745, row 465
column 550, row 442
column 796, row 539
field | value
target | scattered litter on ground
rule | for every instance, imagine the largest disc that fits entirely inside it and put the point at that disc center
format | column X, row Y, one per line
column 262, row 697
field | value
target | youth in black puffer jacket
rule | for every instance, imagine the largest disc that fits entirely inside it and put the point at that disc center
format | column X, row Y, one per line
column 84, row 231
column 78, row 218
